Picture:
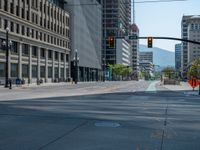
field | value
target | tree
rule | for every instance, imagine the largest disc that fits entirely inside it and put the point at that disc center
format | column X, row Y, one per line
column 120, row 70
column 169, row 72
column 194, row 70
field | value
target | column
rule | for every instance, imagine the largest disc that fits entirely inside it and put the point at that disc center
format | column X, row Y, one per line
column 65, row 68
column 46, row 65
column 38, row 63
column 53, row 65
column 59, row 65
column 19, row 45
column 30, row 64
column 14, row 7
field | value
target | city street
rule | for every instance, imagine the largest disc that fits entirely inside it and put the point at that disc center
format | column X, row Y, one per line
column 125, row 115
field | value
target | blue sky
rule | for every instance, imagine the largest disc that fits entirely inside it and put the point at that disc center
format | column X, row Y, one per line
column 163, row 19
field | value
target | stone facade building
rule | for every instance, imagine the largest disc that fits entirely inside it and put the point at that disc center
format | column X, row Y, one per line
column 39, row 35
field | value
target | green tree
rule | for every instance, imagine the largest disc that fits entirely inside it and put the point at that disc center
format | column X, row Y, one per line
column 169, row 72
column 120, row 70
column 194, row 69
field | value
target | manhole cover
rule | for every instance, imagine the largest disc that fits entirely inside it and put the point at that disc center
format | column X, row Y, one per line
column 107, row 124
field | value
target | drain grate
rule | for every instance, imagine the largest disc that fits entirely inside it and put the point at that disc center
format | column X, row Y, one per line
column 107, row 124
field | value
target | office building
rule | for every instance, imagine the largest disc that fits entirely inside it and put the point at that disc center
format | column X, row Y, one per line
column 123, row 52
column 178, row 57
column 39, row 35
column 116, row 22
column 146, row 56
column 86, row 37
column 191, row 31
column 134, row 30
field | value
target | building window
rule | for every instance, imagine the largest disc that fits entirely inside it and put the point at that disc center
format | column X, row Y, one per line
column 23, row 12
column 27, row 32
column 17, row 29
column 11, row 26
column 33, row 33
column 44, row 37
column 41, row 36
column 11, row 8
column 23, row 31
column 17, row 10
column 34, row 71
column 5, row 24
column 62, row 56
column 49, row 72
column 25, row 70
column 34, row 51
column 42, row 53
column 42, row 71
column 25, row 49
column 56, row 72
column 49, row 54
column 36, row 32
column 56, row 55
column 14, row 70
column 62, row 72
column 67, row 57
column 2, row 69
column 14, row 47
column 27, row 15
column 6, row 5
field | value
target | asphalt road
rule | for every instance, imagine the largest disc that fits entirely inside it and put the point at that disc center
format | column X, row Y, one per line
column 99, row 116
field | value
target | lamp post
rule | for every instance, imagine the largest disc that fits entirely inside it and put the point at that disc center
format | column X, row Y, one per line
column 7, row 44
column 76, row 60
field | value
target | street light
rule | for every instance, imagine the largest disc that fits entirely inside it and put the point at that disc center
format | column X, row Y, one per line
column 7, row 44
column 76, row 61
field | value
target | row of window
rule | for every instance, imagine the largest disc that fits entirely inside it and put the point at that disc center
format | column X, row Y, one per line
column 25, row 71
column 195, row 26
column 26, row 31
column 35, row 50
column 57, row 14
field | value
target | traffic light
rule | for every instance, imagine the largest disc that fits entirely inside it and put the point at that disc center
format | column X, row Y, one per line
column 111, row 41
column 150, row 42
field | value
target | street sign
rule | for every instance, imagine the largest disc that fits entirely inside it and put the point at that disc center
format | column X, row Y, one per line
column 193, row 82
column 133, row 37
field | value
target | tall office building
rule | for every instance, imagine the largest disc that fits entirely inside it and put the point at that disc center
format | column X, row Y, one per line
column 39, row 35
column 123, row 52
column 190, row 31
column 86, row 37
column 116, row 22
column 134, row 30
column 178, row 57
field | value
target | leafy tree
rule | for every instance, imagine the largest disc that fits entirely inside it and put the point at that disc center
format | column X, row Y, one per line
column 120, row 70
column 194, row 69
column 169, row 72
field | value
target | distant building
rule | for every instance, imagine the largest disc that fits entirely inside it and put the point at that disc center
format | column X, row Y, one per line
column 134, row 30
column 178, row 57
column 123, row 52
column 148, row 67
column 116, row 22
column 146, row 56
column 190, row 30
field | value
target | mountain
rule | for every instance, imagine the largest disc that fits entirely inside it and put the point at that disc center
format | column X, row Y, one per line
column 161, row 57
